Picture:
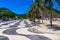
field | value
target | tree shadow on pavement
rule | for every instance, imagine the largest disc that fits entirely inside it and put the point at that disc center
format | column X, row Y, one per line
column 55, row 27
column 31, row 24
column 32, row 37
column 27, row 25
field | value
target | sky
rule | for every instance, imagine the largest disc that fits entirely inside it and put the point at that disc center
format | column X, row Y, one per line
column 21, row 6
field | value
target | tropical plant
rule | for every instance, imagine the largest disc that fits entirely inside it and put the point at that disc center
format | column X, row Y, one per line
column 50, row 5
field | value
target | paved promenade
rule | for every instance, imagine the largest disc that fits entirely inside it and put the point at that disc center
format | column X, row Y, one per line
column 25, row 30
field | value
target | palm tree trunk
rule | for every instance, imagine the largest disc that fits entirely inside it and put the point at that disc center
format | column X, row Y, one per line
column 41, row 12
column 51, row 17
column 50, row 4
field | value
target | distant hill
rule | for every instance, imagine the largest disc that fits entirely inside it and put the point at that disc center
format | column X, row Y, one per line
column 6, row 13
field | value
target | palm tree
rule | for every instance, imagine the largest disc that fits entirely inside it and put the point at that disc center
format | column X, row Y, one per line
column 50, row 5
column 32, row 10
column 39, row 9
